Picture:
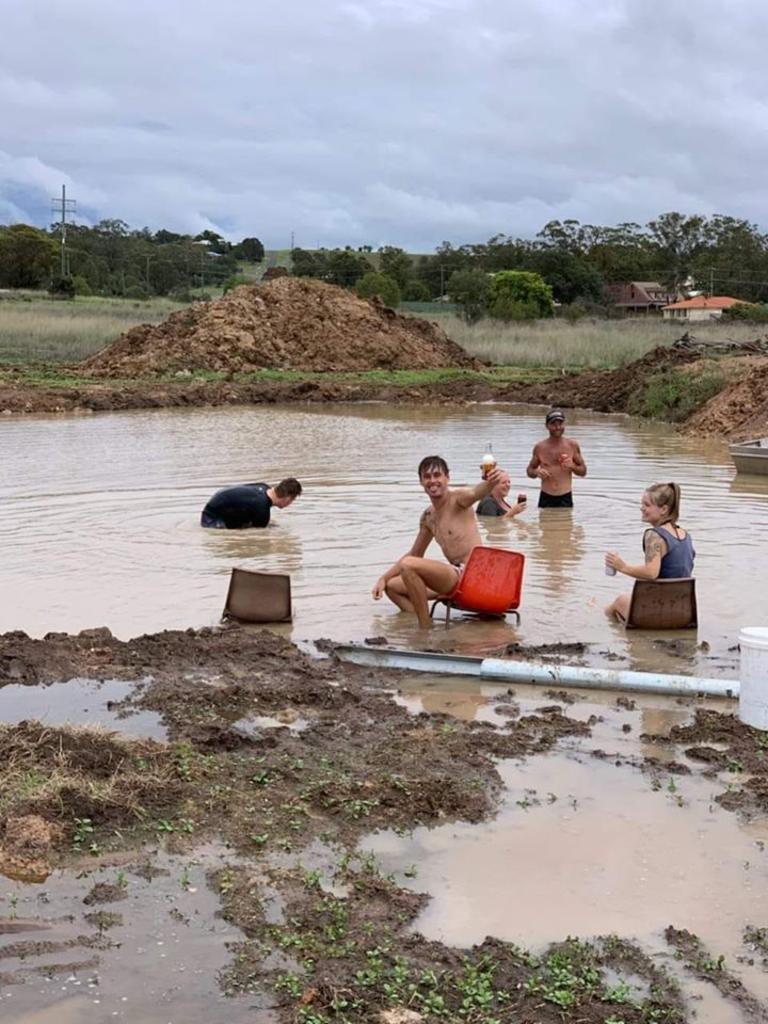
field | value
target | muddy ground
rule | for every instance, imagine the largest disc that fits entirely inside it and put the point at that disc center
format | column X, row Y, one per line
column 738, row 411
column 343, row 760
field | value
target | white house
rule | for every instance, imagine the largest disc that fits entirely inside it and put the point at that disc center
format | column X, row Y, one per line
column 701, row 307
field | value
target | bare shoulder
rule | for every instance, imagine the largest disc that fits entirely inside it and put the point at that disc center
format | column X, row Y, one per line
column 653, row 545
column 427, row 520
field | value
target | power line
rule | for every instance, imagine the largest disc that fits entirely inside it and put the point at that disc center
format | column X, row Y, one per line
column 64, row 206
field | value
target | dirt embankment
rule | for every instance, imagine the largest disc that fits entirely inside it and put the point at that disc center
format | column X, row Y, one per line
column 291, row 323
column 718, row 388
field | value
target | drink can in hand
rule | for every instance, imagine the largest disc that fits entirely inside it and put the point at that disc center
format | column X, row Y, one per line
column 609, row 570
column 522, row 498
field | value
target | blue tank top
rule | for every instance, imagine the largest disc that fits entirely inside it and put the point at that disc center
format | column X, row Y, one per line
column 678, row 561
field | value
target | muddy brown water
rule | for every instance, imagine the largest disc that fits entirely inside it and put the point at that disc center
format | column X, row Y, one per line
column 158, row 964
column 583, row 846
column 100, row 522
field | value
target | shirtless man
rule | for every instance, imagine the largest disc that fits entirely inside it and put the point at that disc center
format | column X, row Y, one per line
column 554, row 461
column 451, row 521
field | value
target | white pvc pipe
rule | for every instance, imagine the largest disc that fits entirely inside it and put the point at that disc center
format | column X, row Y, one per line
column 506, row 670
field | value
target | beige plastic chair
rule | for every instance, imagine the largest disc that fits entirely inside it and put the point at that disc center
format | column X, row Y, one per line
column 663, row 604
column 258, row 597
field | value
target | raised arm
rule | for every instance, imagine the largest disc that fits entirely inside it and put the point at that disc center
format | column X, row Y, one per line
column 654, row 547
column 467, row 496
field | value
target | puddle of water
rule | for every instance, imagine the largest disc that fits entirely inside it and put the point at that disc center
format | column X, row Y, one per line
column 78, row 702
column 97, row 536
column 255, row 724
column 163, row 964
column 584, row 847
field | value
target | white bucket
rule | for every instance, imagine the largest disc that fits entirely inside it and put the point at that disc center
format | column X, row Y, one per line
column 753, row 695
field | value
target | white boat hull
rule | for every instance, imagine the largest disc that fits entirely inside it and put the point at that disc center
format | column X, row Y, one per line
column 750, row 457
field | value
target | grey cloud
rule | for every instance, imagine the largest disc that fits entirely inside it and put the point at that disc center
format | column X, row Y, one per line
column 399, row 121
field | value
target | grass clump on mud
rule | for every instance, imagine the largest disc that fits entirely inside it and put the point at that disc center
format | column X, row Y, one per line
column 76, row 776
column 674, row 395
column 343, row 959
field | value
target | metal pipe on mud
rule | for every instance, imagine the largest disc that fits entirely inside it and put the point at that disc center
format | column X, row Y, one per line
column 505, row 670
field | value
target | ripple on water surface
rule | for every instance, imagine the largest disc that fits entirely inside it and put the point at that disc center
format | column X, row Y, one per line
column 100, row 521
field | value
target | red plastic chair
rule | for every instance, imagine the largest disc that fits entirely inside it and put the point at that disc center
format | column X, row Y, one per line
column 491, row 584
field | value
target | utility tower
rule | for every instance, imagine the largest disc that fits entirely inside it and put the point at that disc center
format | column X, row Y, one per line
column 64, row 206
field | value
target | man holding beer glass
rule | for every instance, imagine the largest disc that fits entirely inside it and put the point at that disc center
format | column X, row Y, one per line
column 450, row 520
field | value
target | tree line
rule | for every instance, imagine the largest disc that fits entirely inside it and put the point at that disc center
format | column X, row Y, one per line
column 111, row 259
column 719, row 254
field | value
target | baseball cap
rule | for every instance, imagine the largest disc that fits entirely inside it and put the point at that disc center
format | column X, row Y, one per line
column 554, row 414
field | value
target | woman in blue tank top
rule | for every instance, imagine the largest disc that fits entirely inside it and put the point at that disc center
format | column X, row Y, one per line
column 669, row 552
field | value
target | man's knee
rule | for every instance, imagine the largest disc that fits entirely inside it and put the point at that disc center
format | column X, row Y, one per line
column 411, row 563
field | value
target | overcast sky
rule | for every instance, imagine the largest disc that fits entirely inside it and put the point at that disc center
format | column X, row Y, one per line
column 401, row 122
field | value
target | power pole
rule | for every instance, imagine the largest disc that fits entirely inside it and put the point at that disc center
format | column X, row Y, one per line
column 711, row 281
column 292, row 241
column 64, row 206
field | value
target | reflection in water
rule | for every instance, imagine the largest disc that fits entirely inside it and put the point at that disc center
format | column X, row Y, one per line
column 98, row 536
column 558, row 548
column 618, row 856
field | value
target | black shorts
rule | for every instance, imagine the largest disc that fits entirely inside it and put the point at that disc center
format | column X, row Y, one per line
column 555, row 500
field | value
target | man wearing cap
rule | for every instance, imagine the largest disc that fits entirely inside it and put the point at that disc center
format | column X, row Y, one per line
column 554, row 461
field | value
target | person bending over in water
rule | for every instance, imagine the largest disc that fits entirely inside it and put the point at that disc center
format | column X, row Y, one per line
column 668, row 547
column 554, row 461
column 238, row 508
column 496, row 503
column 451, row 521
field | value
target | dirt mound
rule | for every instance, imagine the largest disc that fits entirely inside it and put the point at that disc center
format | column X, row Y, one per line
column 289, row 324
column 740, row 410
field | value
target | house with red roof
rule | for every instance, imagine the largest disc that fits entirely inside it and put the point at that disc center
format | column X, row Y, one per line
column 701, row 307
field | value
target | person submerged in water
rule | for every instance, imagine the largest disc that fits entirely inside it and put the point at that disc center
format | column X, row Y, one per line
column 248, row 505
column 496, row 503
column 554, row 461
column 668, row 548
column 451, row 521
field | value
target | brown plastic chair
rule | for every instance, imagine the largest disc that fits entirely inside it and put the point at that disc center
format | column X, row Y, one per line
column 258, row 597
column 491, row 584
column 663, row 604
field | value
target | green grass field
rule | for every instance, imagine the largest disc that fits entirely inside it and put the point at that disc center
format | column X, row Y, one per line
column 585, row 344
column 34, row 328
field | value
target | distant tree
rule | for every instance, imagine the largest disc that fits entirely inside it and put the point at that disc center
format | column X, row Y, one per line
column 469, row 289
column 397, row 264
column 519, row 295
column 416, row 291
column 678, row 241
column 215, row 241
column 309, row 263
column 569, row 275
column 375, row 283
column 163, row 237
column 27, row 256
column 249, row 249
column 234, row 282
column 346, row 267
column 62, row 287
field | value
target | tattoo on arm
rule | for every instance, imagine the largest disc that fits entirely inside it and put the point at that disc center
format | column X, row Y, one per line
column 654, row 546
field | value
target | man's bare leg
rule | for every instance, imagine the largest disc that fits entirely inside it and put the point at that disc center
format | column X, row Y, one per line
column 397, row 594
column 422, row 578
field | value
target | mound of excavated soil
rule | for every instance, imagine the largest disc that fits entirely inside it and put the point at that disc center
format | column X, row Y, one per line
column 288, row 324
column 740, row 410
